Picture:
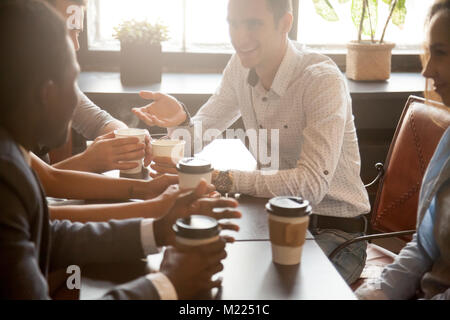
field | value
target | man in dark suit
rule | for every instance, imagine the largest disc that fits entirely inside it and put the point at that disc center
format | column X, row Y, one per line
column 38, row 73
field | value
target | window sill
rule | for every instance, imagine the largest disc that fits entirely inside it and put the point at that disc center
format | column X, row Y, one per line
column 400, row 84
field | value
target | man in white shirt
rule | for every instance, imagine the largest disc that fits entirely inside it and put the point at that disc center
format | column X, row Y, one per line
column 302, row 99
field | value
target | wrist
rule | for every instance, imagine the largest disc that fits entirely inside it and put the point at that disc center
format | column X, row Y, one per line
column 222, row 180
column 139, row 189
column 86, row 162
column 158, row 231
column 187, row 119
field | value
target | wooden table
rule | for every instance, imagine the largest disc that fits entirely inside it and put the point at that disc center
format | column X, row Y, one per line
column 249, row 272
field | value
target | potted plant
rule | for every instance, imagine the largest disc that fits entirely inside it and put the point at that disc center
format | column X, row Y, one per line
column 140, row 51
column 367, row 59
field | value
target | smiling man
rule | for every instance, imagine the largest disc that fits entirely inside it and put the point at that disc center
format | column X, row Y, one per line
column 301, row 95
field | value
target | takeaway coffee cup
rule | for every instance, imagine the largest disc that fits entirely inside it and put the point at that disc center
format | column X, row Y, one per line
column 288, row 222
column 196, row 230
column 168, row 148
column 132, row 132
column 192, row 170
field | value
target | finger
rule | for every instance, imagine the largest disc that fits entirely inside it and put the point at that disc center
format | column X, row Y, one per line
column 214, row 260
column 207, row 205
column 212, row 248
column 167, row 179
column 109, row 135
column 162, row 169
column 228, row 239
column 148, row 151
column 147, row 95
column 127, row 148
column 218, row 214
column 212, row 284
column 117, row 142
column 215, row 268
column 147, row 158
column 135, row 155
column 154, row 175
column 143, row 116
column 159, row 122
column 229, row 226
column 165, row 161
column 214, row 194
column 190, row 196
column 125, row 165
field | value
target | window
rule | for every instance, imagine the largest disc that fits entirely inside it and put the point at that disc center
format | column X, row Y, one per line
column 194, row 25
column 314, row 31
column 199, row 37
column 200, row 25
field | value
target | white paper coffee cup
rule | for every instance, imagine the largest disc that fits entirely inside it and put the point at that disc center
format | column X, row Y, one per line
column 196, row 230
column 192, row 170
column 288, row 221
column 132, row 132
column 168, row 148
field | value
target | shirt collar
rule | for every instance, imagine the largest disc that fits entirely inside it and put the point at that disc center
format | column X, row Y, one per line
column 282, row 77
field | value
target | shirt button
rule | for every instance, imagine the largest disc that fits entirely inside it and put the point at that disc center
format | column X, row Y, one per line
column 260, row 126
column 264, row 99
column 285, row 126
column 326, row 172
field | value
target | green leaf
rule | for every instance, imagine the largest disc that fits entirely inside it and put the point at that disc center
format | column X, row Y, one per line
column 369, row 25
column 399, row 14
column 388, row 1
column 325, row 10
column 343, row 1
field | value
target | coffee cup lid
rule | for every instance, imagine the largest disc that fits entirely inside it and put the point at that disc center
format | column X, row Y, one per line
column 196, row 227
column 194, row 165
column 289, row 206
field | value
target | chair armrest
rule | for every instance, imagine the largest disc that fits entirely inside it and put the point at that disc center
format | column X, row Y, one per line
column 380, row 168
column 369, row 237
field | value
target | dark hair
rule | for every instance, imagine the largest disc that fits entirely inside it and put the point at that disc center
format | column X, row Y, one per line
column 34, row 50
column 279, row 8
column 437, row 7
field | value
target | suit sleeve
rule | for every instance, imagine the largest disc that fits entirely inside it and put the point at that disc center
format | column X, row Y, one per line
column 100, row 242
column 139, row 289
column 20, row 273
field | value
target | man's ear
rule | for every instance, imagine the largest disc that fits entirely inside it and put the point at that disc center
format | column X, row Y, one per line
column 48, row 95
column 286, row 22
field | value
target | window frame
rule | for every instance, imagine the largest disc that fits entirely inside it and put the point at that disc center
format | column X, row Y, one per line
column 191, row 62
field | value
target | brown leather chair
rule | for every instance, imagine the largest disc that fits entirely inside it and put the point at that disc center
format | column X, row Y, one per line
column 417, row 135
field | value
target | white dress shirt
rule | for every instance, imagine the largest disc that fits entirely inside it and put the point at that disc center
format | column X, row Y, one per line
column 310, row 106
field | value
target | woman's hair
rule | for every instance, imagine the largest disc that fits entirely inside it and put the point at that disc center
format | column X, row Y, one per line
column 438, row 6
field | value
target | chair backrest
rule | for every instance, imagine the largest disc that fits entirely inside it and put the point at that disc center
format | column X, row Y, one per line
column 418, row 132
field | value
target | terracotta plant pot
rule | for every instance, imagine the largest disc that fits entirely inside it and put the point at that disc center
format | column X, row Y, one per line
column 367, row 61
column 140, row 63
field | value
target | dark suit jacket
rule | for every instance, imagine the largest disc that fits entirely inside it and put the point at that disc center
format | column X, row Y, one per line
column 31, row 246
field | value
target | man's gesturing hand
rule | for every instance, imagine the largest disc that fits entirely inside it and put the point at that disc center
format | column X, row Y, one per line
column 165, row 111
